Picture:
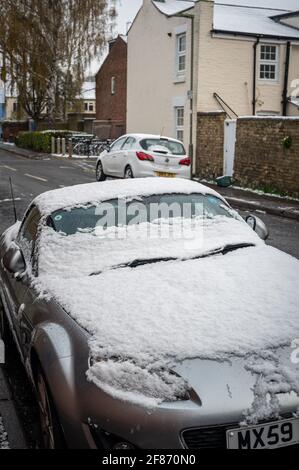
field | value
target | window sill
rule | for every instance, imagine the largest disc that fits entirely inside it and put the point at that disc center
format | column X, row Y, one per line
column 267, row 81
column 179, row 79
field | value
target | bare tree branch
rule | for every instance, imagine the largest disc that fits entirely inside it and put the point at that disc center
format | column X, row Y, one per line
column 46, row 46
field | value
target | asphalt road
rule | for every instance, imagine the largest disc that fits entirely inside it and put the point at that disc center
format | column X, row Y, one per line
column 32, row 177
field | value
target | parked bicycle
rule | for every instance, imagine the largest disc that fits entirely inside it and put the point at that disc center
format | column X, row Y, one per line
column 89, row 146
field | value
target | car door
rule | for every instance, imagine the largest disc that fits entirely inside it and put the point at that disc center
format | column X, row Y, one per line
column 110, row 166
column 17, row 290
column 122, row 158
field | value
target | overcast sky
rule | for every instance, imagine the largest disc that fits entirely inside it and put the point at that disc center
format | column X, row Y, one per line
column 127, row 9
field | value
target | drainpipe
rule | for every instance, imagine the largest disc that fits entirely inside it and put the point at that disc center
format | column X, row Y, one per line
column 191, row 91
column 254, row 76
column 286, row 80
column 191, row 147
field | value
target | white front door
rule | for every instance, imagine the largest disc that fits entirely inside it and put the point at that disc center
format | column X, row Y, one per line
column 230, row 127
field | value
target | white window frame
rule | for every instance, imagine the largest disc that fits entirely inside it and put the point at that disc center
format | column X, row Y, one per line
column 181, row 53
column 263, row 61
column 179, row 127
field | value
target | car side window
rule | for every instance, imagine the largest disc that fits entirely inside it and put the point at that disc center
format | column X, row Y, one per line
column 28, row 233
column 130, row 142
column 118, row 144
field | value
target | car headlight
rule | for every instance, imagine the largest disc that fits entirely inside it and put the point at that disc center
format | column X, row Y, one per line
column 147, row 386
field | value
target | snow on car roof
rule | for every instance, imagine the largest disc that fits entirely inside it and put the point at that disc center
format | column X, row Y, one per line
column 152, row 136
column 94, row 193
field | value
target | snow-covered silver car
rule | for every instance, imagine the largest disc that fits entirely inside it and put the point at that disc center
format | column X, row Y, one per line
column 149, row 314
column 144, row 155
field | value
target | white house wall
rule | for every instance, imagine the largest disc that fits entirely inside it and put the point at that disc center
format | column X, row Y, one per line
column 226, row 67
column 152, row 92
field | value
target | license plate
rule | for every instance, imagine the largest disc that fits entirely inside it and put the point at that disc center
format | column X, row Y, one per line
column 165, row 174
column 267, row 436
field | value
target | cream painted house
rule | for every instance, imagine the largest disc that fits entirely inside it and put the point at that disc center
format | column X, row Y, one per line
column 244, row 55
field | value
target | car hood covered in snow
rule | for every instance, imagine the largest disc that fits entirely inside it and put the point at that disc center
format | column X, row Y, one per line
column 145, row 321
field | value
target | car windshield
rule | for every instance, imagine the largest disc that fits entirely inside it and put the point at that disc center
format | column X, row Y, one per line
column 175, row 148
column 120, row 212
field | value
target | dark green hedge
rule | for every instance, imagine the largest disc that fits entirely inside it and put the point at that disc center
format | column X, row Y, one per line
column 39, row 141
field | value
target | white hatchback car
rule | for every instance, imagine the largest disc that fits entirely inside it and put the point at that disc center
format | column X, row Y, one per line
column 144, row 155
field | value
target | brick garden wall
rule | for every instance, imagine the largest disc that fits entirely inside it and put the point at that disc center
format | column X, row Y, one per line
column 210, row 142
column 261, row 161
column 11, row 129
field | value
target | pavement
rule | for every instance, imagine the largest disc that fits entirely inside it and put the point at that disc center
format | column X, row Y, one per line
column 250, row 200
column 9, row 415
column 239, row 198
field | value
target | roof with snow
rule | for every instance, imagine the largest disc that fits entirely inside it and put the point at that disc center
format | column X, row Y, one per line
column 251, row 21
column 251, row 17
column 172, row 7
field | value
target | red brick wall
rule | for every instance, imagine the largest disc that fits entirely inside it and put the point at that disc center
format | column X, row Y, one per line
column 11, row 129
column 209, row 146
column 109, row 107
column 261, row 161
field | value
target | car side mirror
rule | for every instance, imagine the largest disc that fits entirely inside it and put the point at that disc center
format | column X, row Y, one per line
column 258, row 226
column 14, row 262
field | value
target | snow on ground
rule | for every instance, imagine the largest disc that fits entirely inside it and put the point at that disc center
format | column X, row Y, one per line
column 145, row 320
column 4, row 444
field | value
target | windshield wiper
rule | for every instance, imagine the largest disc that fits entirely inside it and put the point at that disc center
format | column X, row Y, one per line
column 141, row 262
column 135, row 263
column 223, row 250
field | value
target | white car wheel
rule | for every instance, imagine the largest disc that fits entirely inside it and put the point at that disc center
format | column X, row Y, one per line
column 128, row 173
column 100, row 175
